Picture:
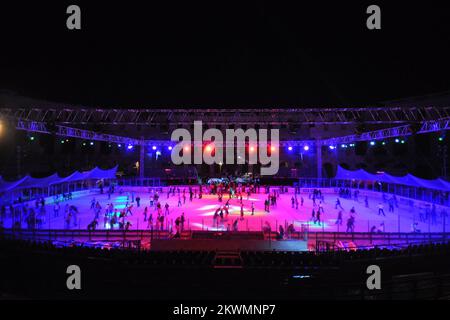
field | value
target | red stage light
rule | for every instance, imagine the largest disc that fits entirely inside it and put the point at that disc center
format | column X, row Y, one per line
column 209, row 148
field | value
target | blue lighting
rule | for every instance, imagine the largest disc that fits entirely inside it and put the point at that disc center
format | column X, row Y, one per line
column 306, row 148
column 331, row 147
column 130, row 147
column 290, row 148
column 372, row 143
column 119, row 146
column 92, row 143
column 170, row 148
column 154, row 147
column 397, row 140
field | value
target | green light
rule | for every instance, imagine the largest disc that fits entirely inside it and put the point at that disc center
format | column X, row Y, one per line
column 62, row 141
column 32, row 138
column 441, row 139
column 403, row 141
column 383, row 143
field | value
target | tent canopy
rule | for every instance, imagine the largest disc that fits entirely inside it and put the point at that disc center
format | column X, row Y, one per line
column 30, row 182
column 407, row 180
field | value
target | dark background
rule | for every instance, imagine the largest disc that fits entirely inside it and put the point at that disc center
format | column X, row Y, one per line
column 218, row 53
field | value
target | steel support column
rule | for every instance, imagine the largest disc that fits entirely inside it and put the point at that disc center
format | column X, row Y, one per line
column 319, row 159
column 142, row 161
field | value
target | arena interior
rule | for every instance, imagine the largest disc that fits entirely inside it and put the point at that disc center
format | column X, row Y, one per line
column 99, row 186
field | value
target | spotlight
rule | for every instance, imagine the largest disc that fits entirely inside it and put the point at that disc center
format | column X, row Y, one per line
column 402, row 142
column 306, row 148
column 331, row 147
column 170, row 148
column 186, row 148
column 209, row 148
column 62, row 141
column 252, row 149
column 290, row 148
column 119, row 146
column 84, row 144
column 154, row 147
column 383, row 143
column 372, row 143
column 343, row 146
column 92, row 143
column 272, row 148
column 130, row 147
column 441, row 139
column 397, row 140
column 32, row 138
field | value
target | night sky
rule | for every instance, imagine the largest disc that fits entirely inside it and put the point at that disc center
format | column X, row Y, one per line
column 219, row 54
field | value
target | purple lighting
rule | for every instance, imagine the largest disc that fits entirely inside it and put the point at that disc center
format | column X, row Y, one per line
column 306, row 148
column 154, row 147
column 130, row 147
column 290, row 148
column 170, row 147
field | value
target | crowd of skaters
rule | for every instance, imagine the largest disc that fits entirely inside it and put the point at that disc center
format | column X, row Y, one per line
column 156, row 214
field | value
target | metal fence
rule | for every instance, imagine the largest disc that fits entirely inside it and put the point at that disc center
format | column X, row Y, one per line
column 422, row 194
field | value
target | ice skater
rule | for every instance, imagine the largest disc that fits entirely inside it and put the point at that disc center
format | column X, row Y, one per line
column 338, row 204
column 339, row 218
column 381, row 209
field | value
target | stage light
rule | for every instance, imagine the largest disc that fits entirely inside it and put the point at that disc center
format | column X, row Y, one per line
column 441, row 139
column 343, row 146
column 84, row 144
column 109, row 146
column 397, row 140
column 130, row 147
column 272, row 148
column 209, row 148
column 352, row 144
column 119, row 146
column 62, row 141
column 154, row 147
column 403, row 141
column 290, row 148
column 252, row 149
column 372, row 143
column 170, row 148
column 92, row 143
column 331, row 147
column 383, row 143
column 186, row 148
column 32, row 138
column 306, row 148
